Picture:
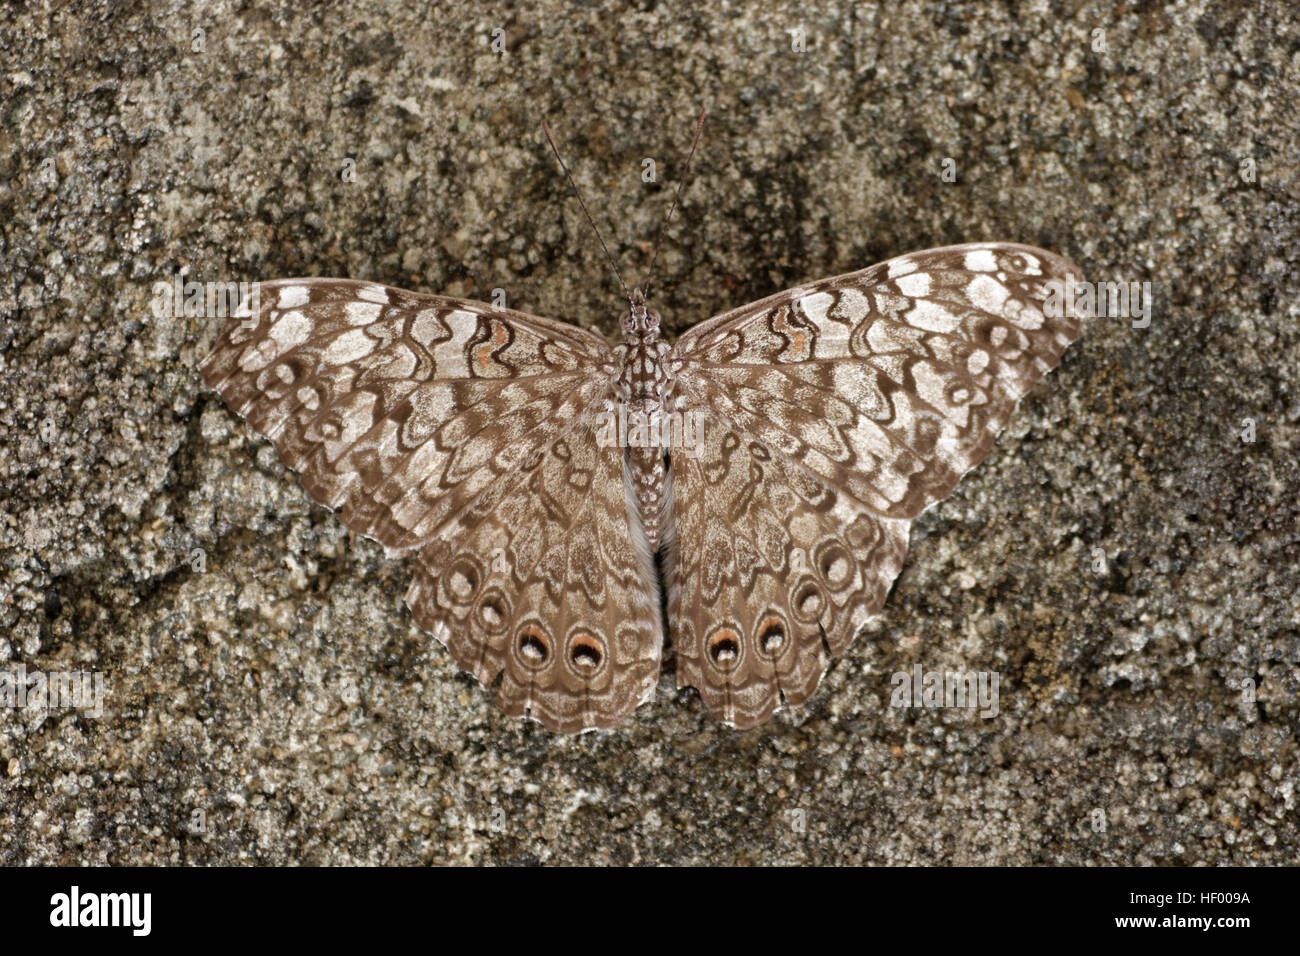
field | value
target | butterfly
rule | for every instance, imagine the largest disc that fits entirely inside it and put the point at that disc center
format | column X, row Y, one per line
column 745, row 491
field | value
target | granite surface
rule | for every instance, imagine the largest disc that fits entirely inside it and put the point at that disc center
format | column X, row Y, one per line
column 1125, row 560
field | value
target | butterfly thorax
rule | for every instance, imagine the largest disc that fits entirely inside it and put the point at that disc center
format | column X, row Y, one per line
column 642, row 357
column 643, row 377
column 641, row 388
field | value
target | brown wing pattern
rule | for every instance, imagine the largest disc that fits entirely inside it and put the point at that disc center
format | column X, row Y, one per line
column 834, row 414
column 401, row 411
column 552, row 592
column 425, row 421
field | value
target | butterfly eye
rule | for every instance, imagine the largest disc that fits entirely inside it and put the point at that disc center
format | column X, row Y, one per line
column 628, row 324
column 652, row 320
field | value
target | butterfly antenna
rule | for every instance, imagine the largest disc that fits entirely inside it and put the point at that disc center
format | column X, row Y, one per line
column 699, row 128
column 550, row 139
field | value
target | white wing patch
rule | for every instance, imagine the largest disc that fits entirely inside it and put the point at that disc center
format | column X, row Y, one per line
column 349, row 347
column 451, row 354
column 292, row 328
column 915, row 285
column 987, row 293
column 361, row 313
column 292, row 296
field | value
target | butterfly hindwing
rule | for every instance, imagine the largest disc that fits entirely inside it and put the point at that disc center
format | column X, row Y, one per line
column 553, row 591
column 768, row 569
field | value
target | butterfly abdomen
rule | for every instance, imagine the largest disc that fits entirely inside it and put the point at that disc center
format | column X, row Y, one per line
column 645, row 479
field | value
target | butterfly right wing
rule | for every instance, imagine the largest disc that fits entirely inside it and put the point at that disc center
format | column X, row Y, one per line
column 832, row 416
column 437, row 424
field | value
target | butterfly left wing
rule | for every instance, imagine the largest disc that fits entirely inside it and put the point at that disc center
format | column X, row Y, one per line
column 465, row 432
column 832, row 415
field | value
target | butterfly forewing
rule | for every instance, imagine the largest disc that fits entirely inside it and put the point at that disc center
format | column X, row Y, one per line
column 400, row 410
column 840, row 410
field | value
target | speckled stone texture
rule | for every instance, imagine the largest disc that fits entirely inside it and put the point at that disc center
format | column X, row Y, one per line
column 1124, row 559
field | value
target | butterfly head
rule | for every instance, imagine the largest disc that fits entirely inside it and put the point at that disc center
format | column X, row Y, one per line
column 639, row 319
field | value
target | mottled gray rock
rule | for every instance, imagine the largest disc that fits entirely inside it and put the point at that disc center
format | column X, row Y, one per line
column 1123, row 560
